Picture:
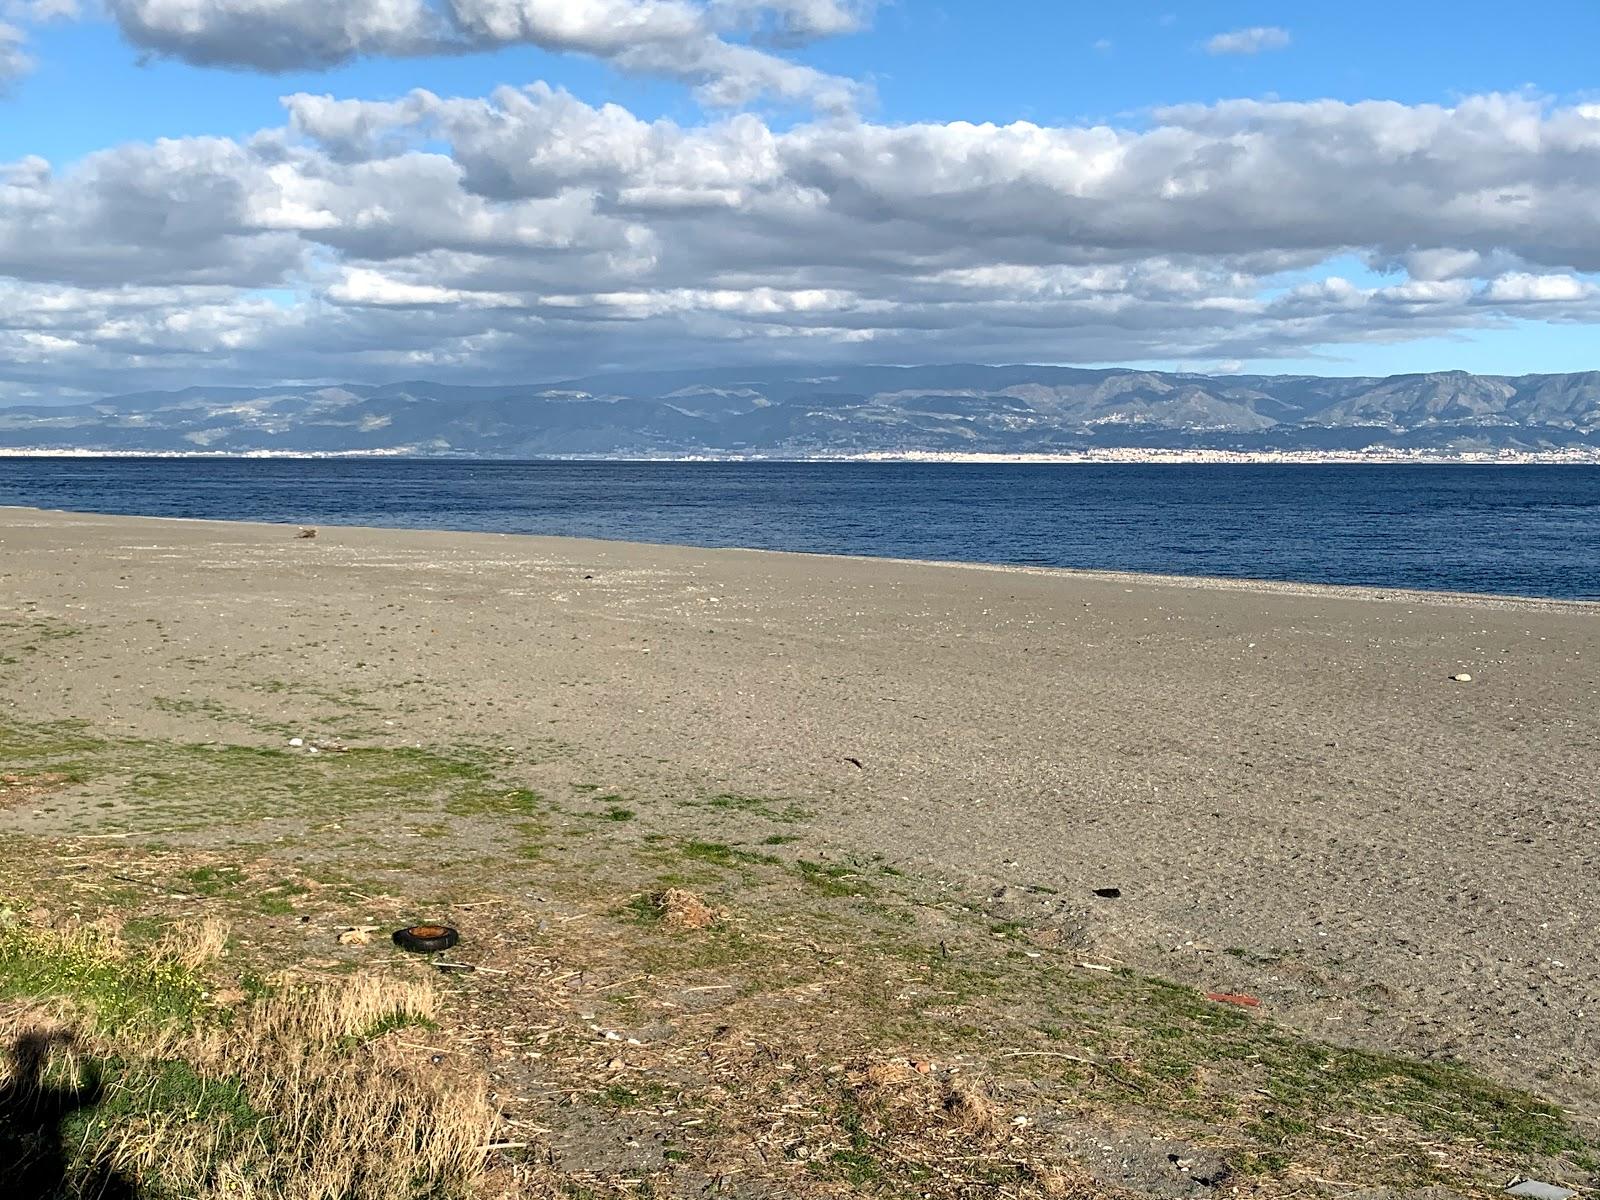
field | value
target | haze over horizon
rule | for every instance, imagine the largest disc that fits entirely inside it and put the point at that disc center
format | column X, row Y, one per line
column 511, row 191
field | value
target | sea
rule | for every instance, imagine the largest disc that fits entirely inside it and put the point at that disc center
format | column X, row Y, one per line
column 1524, row 530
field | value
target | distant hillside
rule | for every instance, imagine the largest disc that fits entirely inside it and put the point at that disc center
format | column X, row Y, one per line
column 884, row 410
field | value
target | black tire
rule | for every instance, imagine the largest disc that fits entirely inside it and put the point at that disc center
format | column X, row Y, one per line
column 426, row 939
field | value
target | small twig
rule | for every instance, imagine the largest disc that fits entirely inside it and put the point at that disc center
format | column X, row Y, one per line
column 429, row 1049
column 620, row 983
column 1088, row 1062
column 1341, row 1132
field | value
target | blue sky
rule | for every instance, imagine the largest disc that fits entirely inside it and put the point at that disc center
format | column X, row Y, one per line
column 99, row 90
column 1057, row 62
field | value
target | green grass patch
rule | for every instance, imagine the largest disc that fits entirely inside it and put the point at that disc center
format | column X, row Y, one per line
column 278, row 899
column 722, row 855
column 392, row 1023
column 498, row 802
column 624, row 1096
column 175, row 786
column 832, row 879
column 212, row 881
column 183, row 706
column 120, row 990
column 761, row 806
column 127, row 1093
column 1169, row 1049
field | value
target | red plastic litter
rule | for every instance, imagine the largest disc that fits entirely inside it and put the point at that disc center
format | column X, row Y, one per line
column 1233, row 998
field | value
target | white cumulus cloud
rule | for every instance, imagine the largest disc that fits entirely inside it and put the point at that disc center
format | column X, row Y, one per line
column 14, row 60
column 528, row 234
column 1255, row 40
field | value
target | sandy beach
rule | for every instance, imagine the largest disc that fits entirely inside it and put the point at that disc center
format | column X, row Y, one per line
column 1292, row 796
column 1285, row 783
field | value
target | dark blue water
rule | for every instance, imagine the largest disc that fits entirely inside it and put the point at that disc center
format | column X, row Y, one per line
column 1526, row 530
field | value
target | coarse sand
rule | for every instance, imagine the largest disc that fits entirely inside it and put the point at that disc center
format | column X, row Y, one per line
column 1290, row 792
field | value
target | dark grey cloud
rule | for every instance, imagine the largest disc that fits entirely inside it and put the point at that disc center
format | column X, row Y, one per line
column 694, row 41
column 176, row 212
column 278, row 35
column 793, row 22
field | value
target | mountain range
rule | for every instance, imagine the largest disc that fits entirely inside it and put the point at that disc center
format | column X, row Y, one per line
column 843, row 411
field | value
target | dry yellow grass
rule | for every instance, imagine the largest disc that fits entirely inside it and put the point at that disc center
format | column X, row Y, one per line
column 297, row 1096
column 683, row 910
column 195, row 946
column 896, row 1094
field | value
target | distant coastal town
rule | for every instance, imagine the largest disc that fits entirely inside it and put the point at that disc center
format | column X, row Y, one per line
column 1567, row 456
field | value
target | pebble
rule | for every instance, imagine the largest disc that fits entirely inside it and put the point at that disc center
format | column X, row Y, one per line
column 1536, row 1189
column 297, row 742
column 1462, row 678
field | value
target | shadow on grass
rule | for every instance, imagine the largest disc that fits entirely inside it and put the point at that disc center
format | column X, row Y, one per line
column 33, row 1111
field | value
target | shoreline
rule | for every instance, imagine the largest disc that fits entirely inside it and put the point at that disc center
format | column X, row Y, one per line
column 1288, row 587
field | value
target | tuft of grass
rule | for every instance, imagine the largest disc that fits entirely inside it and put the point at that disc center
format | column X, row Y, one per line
column 832, row 879
column 643, row 910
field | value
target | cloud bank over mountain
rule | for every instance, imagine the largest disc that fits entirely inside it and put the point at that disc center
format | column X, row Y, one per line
column 529, row 233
